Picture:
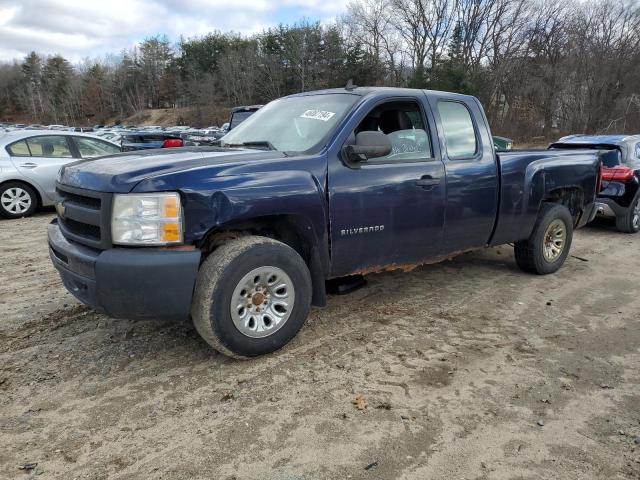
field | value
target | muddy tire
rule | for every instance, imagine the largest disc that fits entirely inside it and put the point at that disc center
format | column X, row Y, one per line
column 546, row 250
column 17, row 200
column 630, row 222
column 252, row 296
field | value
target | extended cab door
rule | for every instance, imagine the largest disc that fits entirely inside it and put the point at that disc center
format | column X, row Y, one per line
column 471, row 169
column 389, row 210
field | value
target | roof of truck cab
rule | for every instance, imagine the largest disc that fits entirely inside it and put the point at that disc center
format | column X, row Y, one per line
column 362, row 91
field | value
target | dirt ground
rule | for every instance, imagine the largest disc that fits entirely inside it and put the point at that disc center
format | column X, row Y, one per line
column 470, row 370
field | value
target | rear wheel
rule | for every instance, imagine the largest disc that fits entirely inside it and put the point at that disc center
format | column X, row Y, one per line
column 17, row 200
column 252, row 296
column 630, row 222
column 546, row 250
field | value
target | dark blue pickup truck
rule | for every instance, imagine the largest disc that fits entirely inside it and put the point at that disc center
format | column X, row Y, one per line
column 314, row 186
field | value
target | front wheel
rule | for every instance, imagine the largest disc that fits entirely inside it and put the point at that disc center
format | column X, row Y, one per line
column 546, row 250
column 252, row 295
column 630, row 221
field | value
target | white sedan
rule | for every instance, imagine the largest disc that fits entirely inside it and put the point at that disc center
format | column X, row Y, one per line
column 29, row 164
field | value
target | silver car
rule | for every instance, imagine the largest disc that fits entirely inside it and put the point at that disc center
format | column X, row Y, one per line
column 29, row 164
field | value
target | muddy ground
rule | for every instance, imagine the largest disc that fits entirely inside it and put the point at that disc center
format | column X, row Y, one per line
column 470, row 369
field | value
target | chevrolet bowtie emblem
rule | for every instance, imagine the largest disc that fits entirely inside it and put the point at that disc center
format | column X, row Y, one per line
column 60, row 208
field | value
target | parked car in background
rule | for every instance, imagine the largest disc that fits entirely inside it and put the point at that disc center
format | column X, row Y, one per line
column 314, row 186
column 202, row 137
column 109, row 135
column 240, row 114
column 620, row 194
column 29, row 164
column 502, row 143
column 143, row 140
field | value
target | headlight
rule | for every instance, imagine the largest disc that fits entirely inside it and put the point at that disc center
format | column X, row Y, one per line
column 146, row 219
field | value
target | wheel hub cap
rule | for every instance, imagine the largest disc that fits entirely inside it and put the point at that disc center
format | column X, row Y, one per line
column 554, row 240
column 262, row 302
column 636, row 215
column 15, row 200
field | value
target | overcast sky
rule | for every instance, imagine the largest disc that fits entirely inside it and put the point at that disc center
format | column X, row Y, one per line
column 78, row 29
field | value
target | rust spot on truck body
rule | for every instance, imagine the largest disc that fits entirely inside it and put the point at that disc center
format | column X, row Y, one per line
column 408, row 267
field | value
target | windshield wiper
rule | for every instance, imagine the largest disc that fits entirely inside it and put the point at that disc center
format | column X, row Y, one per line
column 257, row 144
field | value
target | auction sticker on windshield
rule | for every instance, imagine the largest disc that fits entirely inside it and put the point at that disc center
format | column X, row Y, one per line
column 318, row 115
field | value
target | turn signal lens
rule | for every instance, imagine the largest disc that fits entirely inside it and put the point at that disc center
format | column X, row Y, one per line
column 171, row 207
column 171, row 232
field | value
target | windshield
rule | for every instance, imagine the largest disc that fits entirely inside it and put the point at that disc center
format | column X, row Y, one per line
column 293, row 124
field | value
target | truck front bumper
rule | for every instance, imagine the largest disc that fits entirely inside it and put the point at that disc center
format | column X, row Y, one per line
column 126, row 282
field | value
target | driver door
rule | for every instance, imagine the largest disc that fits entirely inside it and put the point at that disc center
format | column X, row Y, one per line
column 388, row 210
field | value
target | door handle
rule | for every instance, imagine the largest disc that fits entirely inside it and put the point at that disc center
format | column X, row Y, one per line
column 428, row 181
column 29, row 165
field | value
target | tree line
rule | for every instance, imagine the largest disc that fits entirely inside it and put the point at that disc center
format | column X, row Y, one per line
column 540, row 67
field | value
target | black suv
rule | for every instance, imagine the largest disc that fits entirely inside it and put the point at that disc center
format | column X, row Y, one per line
column 619, row 197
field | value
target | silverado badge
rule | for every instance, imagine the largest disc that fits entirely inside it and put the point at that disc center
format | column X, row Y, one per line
column 359, row 230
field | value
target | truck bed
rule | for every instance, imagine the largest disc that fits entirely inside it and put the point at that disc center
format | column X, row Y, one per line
column 529, row 176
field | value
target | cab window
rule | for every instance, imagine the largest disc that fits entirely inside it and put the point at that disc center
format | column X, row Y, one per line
column 402, row 122
column 49, row 147
column 459, row 133
column 92, row 148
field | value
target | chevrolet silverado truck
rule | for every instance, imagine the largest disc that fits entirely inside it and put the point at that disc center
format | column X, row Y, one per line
column 619, row 197
column 314, row 186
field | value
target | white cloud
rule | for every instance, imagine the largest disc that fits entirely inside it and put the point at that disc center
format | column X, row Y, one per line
column 79, row 29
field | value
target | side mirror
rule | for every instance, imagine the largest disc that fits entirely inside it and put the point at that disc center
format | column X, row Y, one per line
column 368, row 145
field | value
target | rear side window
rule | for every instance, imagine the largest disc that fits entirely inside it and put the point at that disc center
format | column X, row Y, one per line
column 92, row 148
column 638, row 151
column 459, row 133
column 19, row 149
column 50, row 147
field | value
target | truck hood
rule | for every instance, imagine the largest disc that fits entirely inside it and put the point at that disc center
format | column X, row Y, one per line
column 120, row 173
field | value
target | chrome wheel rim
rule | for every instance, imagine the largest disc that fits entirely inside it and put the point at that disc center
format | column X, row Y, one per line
column 555, row 238
column 636, row 215
column 15, row 200
column 262, row 302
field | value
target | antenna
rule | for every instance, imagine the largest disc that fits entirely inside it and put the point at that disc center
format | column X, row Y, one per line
column 350, row 86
